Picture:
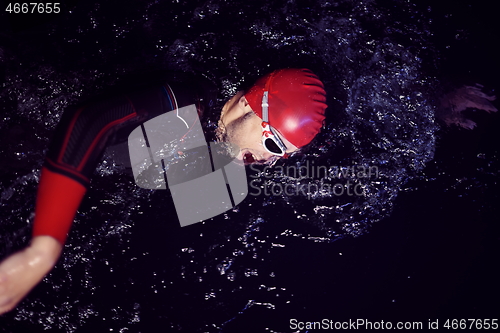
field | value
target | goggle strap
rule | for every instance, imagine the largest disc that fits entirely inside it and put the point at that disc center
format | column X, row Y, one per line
column 265, row 118
column 265, row 105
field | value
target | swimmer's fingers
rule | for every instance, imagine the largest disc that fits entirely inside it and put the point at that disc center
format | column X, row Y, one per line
column 468, row 97
column 477, row 90
column 471, row 97
column 20, row 272
column 475, row 98
column 452, row 105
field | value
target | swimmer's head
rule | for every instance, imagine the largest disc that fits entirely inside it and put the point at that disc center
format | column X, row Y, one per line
column 282, row 112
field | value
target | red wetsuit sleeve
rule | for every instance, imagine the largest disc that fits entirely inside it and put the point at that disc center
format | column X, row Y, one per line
column 56, row 205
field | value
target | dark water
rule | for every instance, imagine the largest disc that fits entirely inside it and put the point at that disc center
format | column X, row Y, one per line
column 428, row 235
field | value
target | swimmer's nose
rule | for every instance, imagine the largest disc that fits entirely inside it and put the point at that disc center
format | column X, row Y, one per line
column 249, row 158
column 246, row 156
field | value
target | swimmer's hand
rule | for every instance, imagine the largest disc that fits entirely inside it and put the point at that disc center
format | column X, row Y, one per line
column 453, row 104
column 23, row 270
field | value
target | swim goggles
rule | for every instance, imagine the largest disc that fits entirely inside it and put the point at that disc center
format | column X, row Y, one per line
column 270, row 139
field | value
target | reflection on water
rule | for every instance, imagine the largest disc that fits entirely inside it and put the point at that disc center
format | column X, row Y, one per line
column 127, row 263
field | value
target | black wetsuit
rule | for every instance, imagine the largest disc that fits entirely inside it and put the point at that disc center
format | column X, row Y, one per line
column 84, row 133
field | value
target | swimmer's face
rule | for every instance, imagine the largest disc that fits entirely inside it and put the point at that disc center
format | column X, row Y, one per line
column 241, row 126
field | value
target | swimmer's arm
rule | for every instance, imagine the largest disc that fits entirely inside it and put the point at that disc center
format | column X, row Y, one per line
column 58, row 200
column 23, row 270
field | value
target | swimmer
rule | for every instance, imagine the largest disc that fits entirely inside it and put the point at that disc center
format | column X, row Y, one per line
column 281, row 113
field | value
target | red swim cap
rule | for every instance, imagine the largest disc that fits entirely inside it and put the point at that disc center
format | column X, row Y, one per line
column 297, row 103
